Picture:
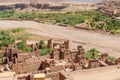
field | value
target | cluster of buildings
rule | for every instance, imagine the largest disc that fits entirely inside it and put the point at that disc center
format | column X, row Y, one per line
column 110, row 7
column 32, row 66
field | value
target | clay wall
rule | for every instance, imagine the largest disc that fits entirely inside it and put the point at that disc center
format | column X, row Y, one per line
column 53, row 76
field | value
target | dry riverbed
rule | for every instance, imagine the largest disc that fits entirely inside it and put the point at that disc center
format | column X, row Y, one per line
column 104, row 43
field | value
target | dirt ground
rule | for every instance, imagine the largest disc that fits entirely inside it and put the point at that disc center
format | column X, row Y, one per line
column 102, row 42
column 96, row 74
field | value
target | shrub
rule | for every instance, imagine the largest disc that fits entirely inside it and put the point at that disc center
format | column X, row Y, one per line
column 22, row 37
column 21, row 45
column 92, row 54
column 45, row 51
column 111, row 59
column 27, row 49
column 6, row 13
column 42, row 44
column 17, row 30
column 6, row 38
column 92, row 25
column 26, row 15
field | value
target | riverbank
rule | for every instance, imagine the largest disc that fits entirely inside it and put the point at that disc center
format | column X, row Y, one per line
column 102, row 42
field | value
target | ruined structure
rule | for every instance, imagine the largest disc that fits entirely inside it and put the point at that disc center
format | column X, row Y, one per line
column 57, row 43
column 61, row 58
column 104, row 57
column 94, row 63
column 35, row 48
column 10, row 55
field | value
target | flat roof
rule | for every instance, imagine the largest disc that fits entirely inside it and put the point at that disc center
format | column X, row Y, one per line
column 40, row 75
column 6, row 74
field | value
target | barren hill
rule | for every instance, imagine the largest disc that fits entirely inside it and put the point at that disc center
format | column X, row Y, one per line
column 32, row 4
column 32, row 1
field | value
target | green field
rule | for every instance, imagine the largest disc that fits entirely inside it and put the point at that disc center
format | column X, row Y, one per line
column 96, row 19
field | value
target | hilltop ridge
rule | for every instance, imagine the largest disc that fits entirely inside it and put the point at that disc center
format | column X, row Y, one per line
column 32, row 1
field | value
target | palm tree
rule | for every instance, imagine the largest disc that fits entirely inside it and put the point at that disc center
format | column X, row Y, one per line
column 42, row 44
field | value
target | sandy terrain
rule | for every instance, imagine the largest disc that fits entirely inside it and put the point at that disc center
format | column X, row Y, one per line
column 23, row 1
column 104, row 43
column 54, row 2
column 105, row 73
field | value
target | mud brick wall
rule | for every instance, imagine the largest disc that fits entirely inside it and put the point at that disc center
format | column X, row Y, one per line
column 57, row 68
column 94, row 63
column 82, row 61
column 55, row 54
column 53, row 76
column 104, row 57
column 67, row 55
column 30, row 65
column 118, row 61
column 52, row 43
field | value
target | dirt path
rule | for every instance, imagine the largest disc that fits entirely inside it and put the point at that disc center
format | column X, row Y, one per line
column 104, row 43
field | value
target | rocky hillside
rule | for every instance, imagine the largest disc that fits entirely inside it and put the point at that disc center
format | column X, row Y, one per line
column 32, row 1
column 110, row 7
column 32, row 4
column 110, row 3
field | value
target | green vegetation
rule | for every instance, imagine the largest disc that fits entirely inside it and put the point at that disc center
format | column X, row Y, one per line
column 27, row 16
column 23, row 37
column 45, row 51
column 16, row 30
column 92, row 54
column 97, row 20
column 42, row 45
column 111, row 59
column 6, row 38
column 9, row 36
column 22, row 46
column 7, row 13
